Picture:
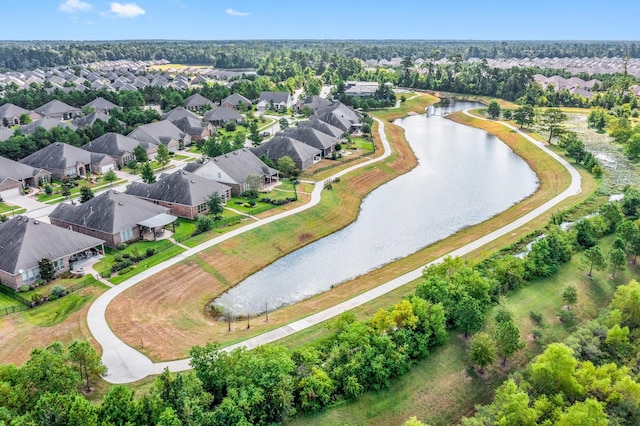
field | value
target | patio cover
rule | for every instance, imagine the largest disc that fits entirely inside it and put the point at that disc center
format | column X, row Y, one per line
column 159, row 220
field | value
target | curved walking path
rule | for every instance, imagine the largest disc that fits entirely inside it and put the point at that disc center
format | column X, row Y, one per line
column 125, row 364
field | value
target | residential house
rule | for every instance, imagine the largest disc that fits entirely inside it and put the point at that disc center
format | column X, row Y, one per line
column 58, row 109
column 341, row 116
column 46, row 123
column 221, row 115
column 64, row 160
column 183, row 192
column 119, row 147
column 90, row 119
column 303, row 155
column 313, row 103
column 24, row 242
column 233, row 168
column 313, row 137
column 189, row 123
column 234, row 101
column 10, row 115
column 112, row 216
column 5, row 133
column 278, row 101
column 162, row 132
column 361, row 88
column 323, row 126
column 14, row 176
column 197, row 102
column 102, row 105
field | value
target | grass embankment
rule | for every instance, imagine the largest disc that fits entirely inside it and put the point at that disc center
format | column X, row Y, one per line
column 169, row 307
column 61, row 320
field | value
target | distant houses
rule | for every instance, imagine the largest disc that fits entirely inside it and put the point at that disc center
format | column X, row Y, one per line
column 119, row 147
column 66, row 161
column 15, row 176
column 162, row 132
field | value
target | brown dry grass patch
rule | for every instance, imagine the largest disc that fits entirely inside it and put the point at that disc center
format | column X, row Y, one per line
column 18, row 337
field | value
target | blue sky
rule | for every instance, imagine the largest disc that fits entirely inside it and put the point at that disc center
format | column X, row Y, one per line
column 324, row 19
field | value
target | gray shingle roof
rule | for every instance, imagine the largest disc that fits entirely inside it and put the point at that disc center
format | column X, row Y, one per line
column 311, row 136
column 155, row 132
column 197, row 100
column 47, row 124
column 15, row 170
column 280, row 146
column 60, row 156
column 237, row 164
column 109, row 212
column 9, row 111
column 178, row 113
column 24, row 242
column 181, row 187
column 275, row 97
column 90, row 120
column 323, row 126
column 222, row 114
column 116, row 144
column 101, row 104
column 56, row 107
column 235, row 98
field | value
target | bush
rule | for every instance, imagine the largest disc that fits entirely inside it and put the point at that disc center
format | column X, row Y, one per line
column 57, row 291
column 536, row 317
column 25, row 287
column 126, row 270
column 252, row 193
column 121, row 265
column 121, row 246
column 150, row 252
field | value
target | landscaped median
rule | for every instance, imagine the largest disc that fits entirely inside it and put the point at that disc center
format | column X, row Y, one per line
column 56, row 196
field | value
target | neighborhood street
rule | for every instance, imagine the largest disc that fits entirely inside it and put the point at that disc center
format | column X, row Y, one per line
column 126, row 364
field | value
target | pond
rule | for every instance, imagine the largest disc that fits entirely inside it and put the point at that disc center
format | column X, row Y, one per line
column 464, row 176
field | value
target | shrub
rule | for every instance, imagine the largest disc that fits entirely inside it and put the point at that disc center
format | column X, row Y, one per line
column 121, row 265
column 126, row 255
column 58, row 291
column 536, row 317
column 150, row 252
column 126, row 270
column 121, row 246
column 118, row 258
column 25, row 287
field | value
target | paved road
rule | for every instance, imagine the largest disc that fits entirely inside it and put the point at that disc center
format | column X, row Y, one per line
column 126, row 364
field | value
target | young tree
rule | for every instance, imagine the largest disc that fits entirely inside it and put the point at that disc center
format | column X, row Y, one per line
column 586, row 235
column 85, row 194
column 162, row 155
column 66, row 189
column 552, row 120
column 214, row 203
column 147, row 173
column 570, row 296
column 493, row 109
column 594, row 258
column 284, row 123
column 87, row 359
column 286, row 166
column 482, row 350
column 133, row 165
column 203, row 223
column 507, row 337
column 253, row 183
column 254, row 135
column 110, row 177
column 141, row 154
column 47, row 270
column 468, row 315
column 617, row 260
column 524, row 116
column 632, row 147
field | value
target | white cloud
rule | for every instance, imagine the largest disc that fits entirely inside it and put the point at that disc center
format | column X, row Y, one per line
column 126, row 10
column 232, row 12
column 72, row 6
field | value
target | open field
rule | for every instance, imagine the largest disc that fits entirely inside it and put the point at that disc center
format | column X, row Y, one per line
column 190, row 324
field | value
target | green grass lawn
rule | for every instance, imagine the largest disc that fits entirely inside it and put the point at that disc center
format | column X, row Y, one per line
column 103, row 267
column 75, row 192
column 56, row 311
column 7, row 302
column 183, row 157
column 155, row 166
column 361, row 143
column 148, row 263
column 184, row 228
column 7, row 210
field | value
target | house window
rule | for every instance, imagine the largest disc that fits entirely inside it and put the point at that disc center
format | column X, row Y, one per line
column 58, row 265
column 70, row 172
column 31, row 275
column 202, row 207
column 126, row 235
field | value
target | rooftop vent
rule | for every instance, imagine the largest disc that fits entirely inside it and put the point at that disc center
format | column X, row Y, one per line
column 36, row 222
column 121, row 203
